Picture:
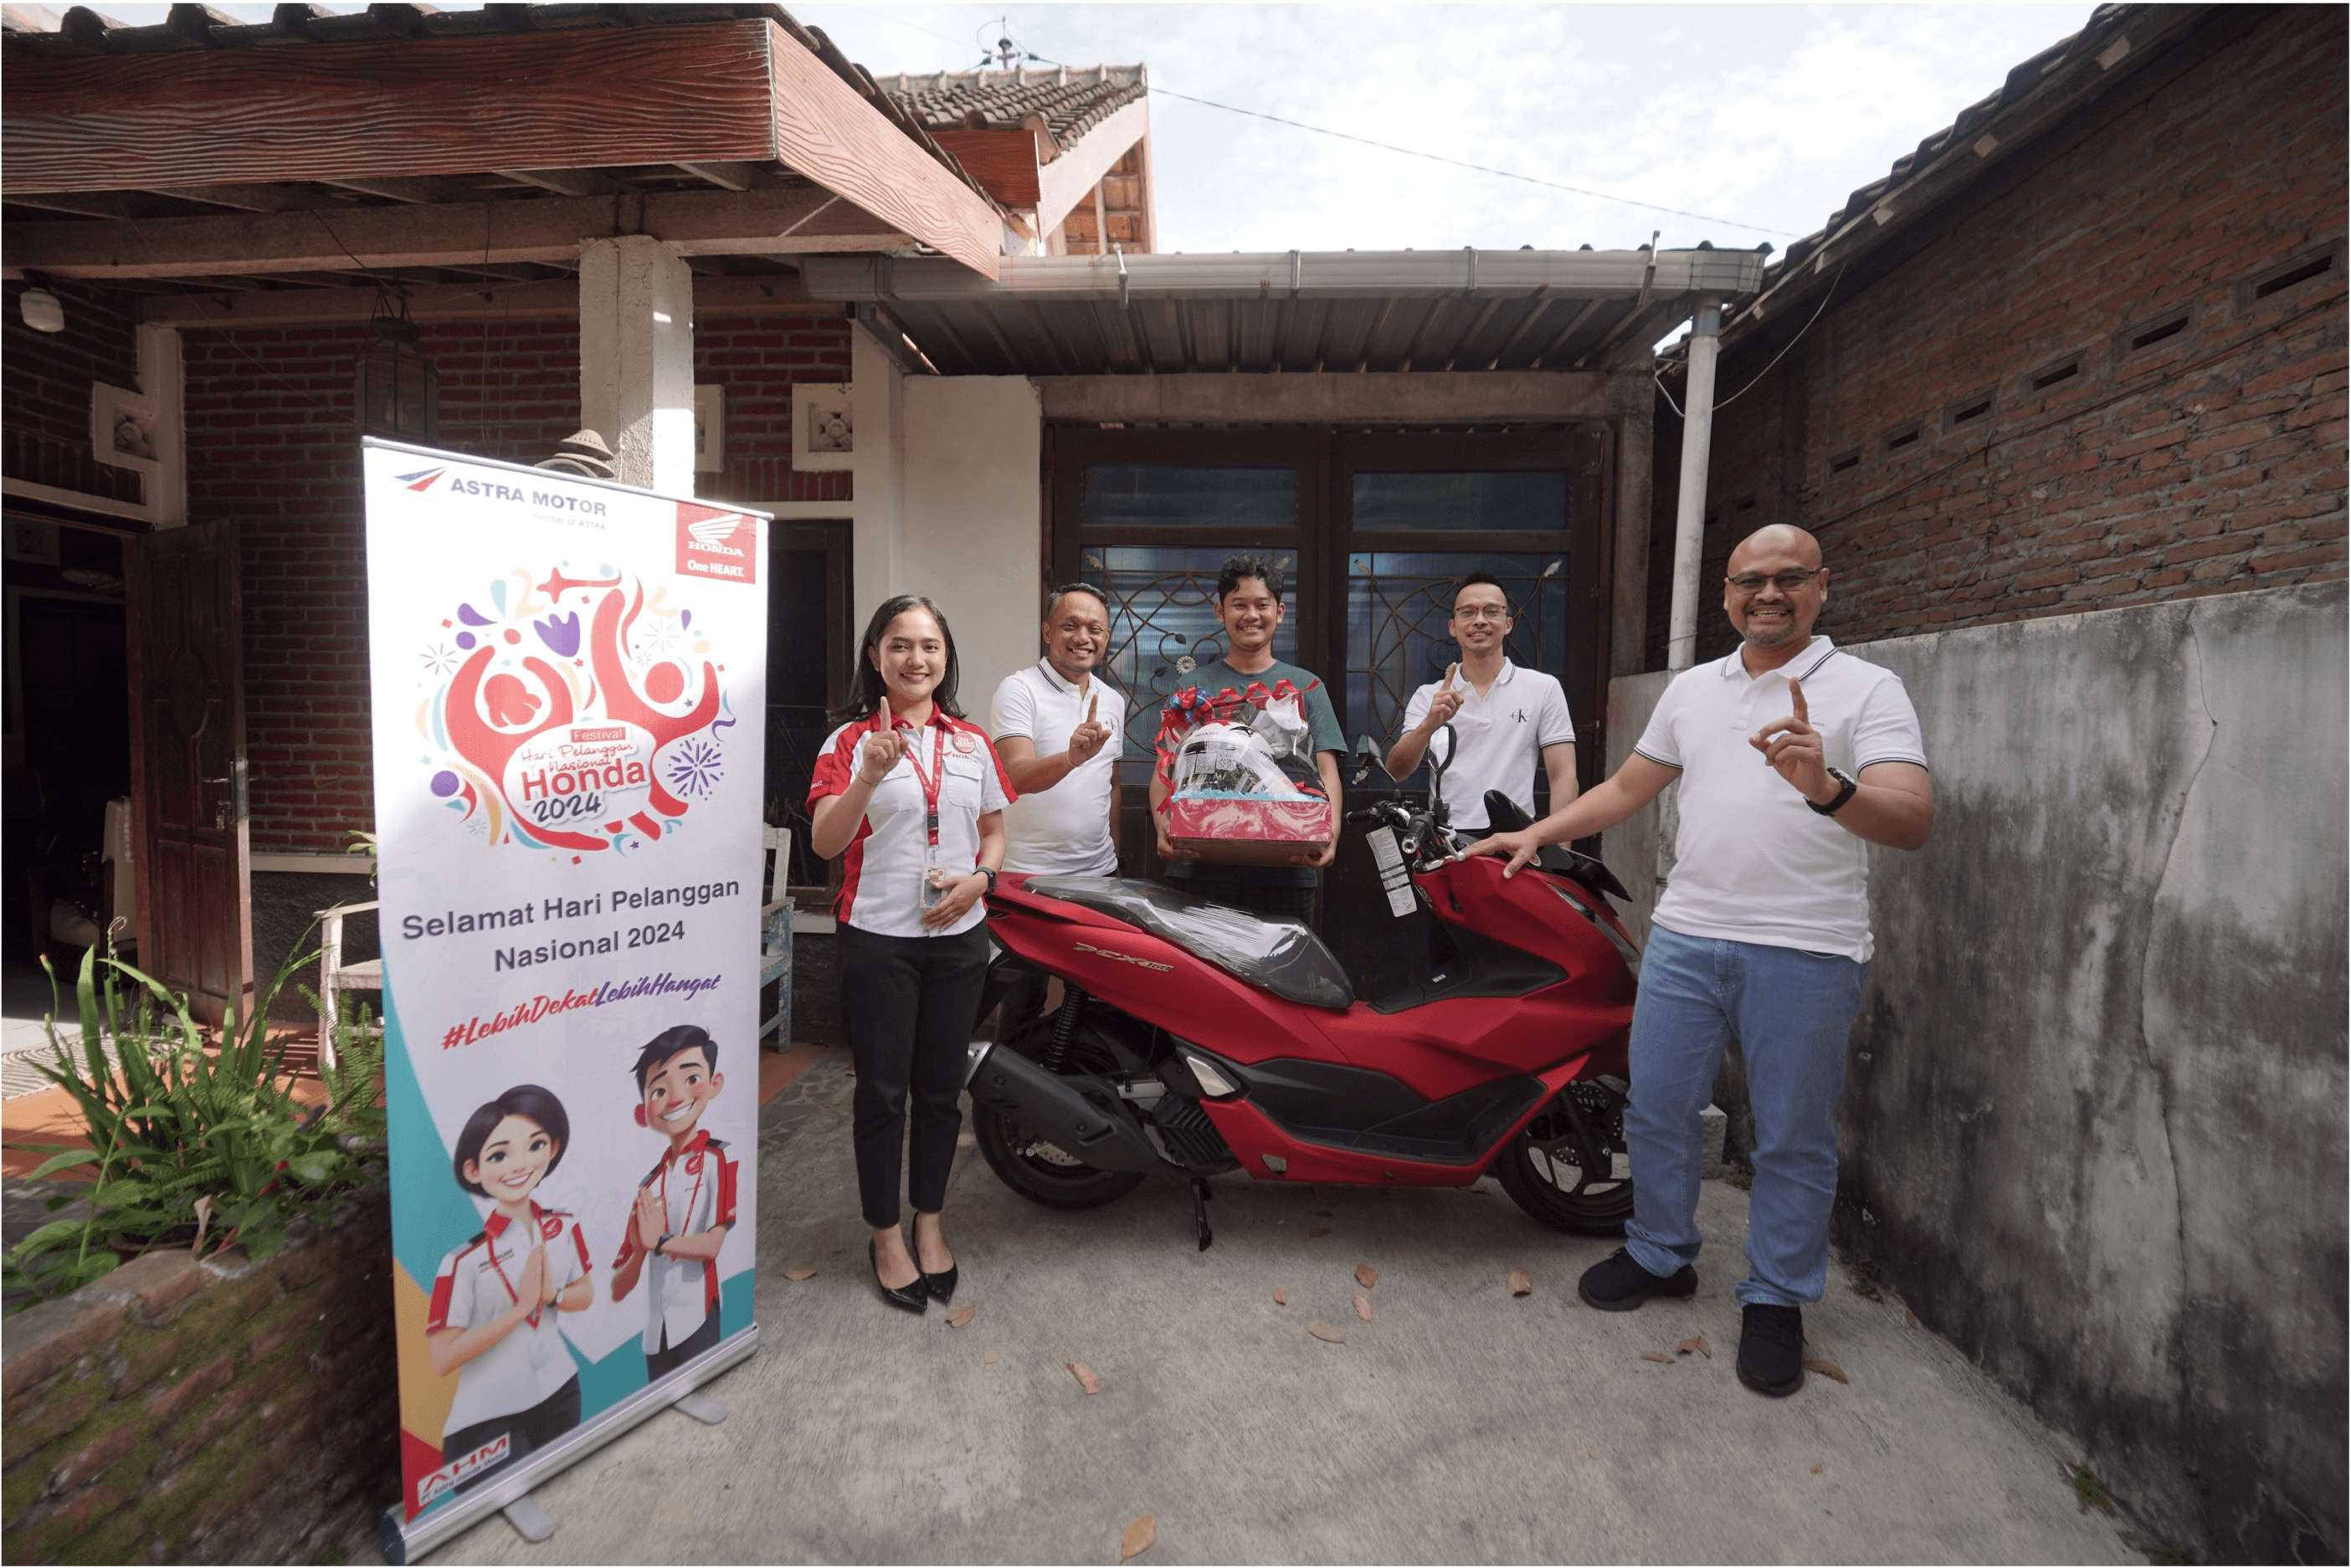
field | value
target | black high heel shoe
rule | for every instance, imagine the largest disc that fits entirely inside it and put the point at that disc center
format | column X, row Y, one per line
column 906, row 1298
column 941, row 1287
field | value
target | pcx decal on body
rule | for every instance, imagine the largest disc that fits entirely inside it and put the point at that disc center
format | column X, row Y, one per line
column 1125, row 957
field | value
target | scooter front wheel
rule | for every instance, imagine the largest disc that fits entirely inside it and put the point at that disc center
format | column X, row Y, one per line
column 1042, row 1172
column 1561, row 1167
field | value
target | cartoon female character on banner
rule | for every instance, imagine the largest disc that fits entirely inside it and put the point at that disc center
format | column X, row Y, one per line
column 518, row 1387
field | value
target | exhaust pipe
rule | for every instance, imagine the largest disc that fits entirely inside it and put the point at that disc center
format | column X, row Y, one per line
column 1064, row 1111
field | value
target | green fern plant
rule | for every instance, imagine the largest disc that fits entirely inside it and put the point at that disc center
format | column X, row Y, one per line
column 191, row 1142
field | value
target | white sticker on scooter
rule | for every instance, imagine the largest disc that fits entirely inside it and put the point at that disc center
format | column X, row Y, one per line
column 1394, row 877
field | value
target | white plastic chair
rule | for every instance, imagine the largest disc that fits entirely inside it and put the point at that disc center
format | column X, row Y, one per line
column 335, row 975
column 775, row 932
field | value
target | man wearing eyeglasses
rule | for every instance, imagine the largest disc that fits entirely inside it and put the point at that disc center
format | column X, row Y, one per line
column 1794, row 758
column 1505, row 717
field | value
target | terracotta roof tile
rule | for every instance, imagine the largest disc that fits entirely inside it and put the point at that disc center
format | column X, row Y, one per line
column 1072, row 102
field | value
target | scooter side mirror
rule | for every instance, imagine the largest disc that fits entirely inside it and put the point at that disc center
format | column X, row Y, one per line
column 1367, row 757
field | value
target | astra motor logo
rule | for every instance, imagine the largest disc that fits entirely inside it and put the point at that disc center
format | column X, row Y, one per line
column 573, row 712
column 421, row 479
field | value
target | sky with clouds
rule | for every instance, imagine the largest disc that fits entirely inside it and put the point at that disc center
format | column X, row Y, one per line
column 1761, row 117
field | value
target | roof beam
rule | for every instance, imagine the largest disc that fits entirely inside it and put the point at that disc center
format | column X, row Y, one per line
column 243, row 198
column 1071, row 178
column 415, row 192
column 1374, row 397
column 785, row 221
column 728, row 176
column 554, row 299
column 565, row 181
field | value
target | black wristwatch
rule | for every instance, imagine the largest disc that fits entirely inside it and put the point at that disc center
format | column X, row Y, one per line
column 1845, row 788
column 666, row 1236
column 989, row 872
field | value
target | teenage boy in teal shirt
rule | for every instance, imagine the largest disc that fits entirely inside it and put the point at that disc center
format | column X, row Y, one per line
column 1250, row 609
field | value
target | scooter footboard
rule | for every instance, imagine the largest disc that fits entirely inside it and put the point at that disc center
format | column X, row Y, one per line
column 1079, row 1115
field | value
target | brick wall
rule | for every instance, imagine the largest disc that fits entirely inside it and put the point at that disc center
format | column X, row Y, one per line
column 216, row 1412
column 271, row 444
column 46, row 387
column 2209, row 459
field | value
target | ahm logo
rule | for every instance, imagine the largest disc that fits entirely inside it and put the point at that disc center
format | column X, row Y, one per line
column 421, row 479
column 712, row 532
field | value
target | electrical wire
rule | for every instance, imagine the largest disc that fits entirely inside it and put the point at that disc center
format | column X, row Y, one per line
column 1389, row 146
column 1767, row 369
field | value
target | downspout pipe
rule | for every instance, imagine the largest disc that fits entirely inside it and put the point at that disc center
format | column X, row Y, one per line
column 1689, row 513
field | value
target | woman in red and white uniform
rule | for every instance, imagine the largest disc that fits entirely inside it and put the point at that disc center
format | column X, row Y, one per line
column 495, row 1300
column 911, row 794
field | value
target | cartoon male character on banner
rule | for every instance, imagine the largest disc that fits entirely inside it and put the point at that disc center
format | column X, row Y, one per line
column 684, row 1208
column 490, row 1321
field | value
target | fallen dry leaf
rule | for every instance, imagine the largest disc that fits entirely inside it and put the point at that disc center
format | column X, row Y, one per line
column 1816, row 1469
column 1085, row 1376
column 1696, row 1342
column 989, row 1357
column 961, row 1315
column 1314, row 1231
column 1139, row 1537
column 1519, row 1285
column 799, row 1273
column 1363, row 1306
column 1827, row 1369
column 1656, row 1355
column 1910, row 1319
column 1325, row 1333
column 1366, row 1275
column 1281, row 1297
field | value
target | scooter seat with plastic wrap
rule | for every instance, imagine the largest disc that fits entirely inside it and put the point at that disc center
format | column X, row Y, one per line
column 1280, row 957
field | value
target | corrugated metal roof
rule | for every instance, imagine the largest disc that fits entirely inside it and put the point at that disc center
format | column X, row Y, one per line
column 1290, row 311
column 1071, row 101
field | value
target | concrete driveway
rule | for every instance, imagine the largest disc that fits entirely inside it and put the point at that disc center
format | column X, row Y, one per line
column 1461, row 1424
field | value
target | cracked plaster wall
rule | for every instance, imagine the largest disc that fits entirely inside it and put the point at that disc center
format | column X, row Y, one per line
column 2094, row 1127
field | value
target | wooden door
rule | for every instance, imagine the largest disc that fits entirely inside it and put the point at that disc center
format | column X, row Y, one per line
column 188, row 767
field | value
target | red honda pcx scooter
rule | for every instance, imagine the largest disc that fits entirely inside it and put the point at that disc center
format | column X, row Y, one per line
column 1193, row 1039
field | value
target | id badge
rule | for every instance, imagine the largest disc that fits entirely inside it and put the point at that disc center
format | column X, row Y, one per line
column 933, row 885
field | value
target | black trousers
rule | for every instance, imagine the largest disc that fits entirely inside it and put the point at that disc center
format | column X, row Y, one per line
column 908, row 1005
column 526, row 1432
column 660, row 1364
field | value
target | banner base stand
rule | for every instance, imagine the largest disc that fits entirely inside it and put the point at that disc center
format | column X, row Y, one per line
column 532, row 1522
column 405, row 1542
column 703, row 1408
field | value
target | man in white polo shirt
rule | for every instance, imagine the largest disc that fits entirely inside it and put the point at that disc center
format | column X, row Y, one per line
column 1506, row 718
column 1057, row 731
column 1792, row 757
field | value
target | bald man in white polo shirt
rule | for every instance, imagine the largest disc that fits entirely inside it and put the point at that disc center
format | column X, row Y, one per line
column 1792, row 757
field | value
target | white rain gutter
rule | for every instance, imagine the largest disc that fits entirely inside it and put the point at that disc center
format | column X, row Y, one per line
column 1689, row 510
column 1293, row 274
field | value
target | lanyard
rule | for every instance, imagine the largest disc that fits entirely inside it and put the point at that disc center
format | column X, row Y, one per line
column 931, row 782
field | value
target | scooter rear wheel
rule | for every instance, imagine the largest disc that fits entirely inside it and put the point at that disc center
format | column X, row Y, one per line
column 1041, row 1172
column 1542, row 1167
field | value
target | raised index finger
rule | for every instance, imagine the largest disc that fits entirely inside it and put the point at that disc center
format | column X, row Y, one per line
column 1796, row 696
column 1091, row 704
column 1451, row 671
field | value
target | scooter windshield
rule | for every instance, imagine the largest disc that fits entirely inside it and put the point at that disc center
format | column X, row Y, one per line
column 1278, row 956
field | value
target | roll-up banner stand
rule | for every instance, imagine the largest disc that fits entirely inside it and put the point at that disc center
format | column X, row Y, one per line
column 568, row 690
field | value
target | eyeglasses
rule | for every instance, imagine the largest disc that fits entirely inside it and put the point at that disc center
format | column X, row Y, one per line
column 1786, row 582
column 1482, row 612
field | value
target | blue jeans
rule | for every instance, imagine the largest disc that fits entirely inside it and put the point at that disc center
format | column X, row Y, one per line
column 1791, row 1012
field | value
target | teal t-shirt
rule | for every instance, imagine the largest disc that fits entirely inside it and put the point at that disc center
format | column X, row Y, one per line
column 1321, row 718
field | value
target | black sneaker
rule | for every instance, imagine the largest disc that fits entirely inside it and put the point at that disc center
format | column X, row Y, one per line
column 1772, row 1349
column 1617, row 1283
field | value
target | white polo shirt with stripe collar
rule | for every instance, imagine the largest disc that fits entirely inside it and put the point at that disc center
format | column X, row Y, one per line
column 882, row 868
column 1752, row 861
column 480, row 1280
column 1064, row 830
column 1498, row 739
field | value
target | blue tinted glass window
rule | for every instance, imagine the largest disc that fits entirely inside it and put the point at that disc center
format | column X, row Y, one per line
column 1531, row 500
column 1144, row 495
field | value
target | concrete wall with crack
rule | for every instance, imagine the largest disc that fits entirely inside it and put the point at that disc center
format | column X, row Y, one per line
column 2093, row 1127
